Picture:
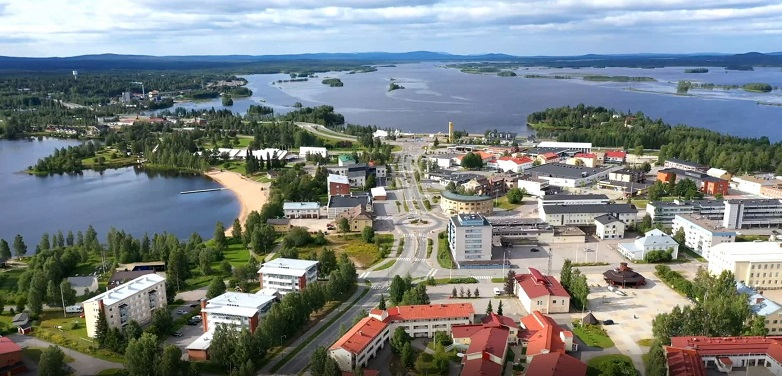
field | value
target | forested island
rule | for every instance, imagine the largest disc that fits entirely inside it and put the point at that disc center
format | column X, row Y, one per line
column 618, row 78
column 683, row 87
column 758, row 87
column 332, row 82
column 696, row 70
column 605, row 127
column 506, row 73
column 554, row 77
column 227, row 100
column 394, row 86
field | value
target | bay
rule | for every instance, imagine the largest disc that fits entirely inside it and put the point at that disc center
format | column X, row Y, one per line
column 127, row 199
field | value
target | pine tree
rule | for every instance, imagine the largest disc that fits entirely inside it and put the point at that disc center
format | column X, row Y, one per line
column 101, row 329
column 382, row 305
column 236, row 230
column 499, row 308
column 489, row 308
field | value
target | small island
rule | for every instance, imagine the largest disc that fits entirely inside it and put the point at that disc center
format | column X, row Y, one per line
column 617, row 78
column 507, row 74
column 227, row 100
column 758, row 87
column 393, row 86
column 332, row 82
column 696, row 70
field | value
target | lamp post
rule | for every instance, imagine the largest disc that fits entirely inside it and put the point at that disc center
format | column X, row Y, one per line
column 282, row 337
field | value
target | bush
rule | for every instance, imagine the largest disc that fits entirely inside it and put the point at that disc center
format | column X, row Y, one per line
column 674, row 280
column 427, row 205
column 659, row 256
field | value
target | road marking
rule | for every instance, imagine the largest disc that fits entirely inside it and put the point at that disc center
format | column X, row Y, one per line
column 435, row 272
column 482, row 277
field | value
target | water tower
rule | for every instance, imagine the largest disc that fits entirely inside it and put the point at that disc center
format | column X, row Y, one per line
column 75, row 74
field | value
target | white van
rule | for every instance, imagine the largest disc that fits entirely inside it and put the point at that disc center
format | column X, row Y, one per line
column 74, row 309
column 497, row 292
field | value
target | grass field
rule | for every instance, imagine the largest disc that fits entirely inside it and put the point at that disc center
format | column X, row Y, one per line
column 593, row 336
column 596, row 364
column 75, row 339
column 362, row 253
column 121, row 161
column 503, row 203
column 444, row 254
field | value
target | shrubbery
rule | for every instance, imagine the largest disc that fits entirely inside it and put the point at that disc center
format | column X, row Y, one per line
column 674, row 280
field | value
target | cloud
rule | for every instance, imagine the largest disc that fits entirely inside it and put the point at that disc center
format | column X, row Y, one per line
column 55, row 27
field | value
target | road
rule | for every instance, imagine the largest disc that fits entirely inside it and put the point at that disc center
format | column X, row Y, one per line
column 322, row 131
column 83, row 364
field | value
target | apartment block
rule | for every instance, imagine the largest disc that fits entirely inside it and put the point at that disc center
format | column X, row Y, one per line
column 288, row 275
column 133, row 301
column 338, row 185
column 700, row 234
column 360, row 343
column 425, row 320
column 733, row 213
column 469, row 239
column 755, row 264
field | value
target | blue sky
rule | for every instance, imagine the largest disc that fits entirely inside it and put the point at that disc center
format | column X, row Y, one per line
column 260, row 27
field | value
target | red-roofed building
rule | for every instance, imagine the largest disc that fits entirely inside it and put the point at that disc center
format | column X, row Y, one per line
column 690, row 356
column 540, row 334
column 548, row 158
column 511, row 164
column 486, row 352
column 485, row 157
column 425, row 320
column 541, row 293
column 10, row 357
column 461, row 333
column 615, row 156
column 586, row 159
column 360, row 343
column 555, row 364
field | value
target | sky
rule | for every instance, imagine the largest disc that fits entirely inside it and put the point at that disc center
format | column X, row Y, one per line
column 42, row 28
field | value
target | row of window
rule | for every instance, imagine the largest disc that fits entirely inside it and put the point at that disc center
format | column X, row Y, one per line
column 765, row 266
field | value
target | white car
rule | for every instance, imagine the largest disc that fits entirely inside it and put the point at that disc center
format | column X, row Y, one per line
column 620, row 293
column 181, row 311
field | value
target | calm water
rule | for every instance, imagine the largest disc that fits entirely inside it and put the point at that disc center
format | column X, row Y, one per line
column 136, row 202
column 436, row 95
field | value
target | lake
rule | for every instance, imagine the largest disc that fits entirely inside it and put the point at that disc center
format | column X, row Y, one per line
column 124, row 198
column 435, row 95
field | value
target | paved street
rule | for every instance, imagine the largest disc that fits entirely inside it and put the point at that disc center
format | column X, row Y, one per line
column 83, row 364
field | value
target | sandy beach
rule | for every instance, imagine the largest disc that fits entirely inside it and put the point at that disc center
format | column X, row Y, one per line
column 252, row 195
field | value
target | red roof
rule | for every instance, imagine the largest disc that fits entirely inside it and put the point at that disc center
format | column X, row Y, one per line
column 719, row 346
column 548, row 156
column 432, row 311
column 367, row 372
column 535, row 284
column 481, row 367
column 543, row 334
column 8, row 347
column 516, row 160
column 465, row 331
column 585, row 155
column 494, row 319
column 616, row 154
column 684, row 362
column 556, row 364
column 360, row 335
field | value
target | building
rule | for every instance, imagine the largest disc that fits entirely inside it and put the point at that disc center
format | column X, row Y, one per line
column 133, row 301
column 664, row 212
column 485, row 157
column 425, row 320
column 469, row 239
column 11, row 362
column 512, row 164
column 705, row 183
column 357, row 173
column 345, row 160
column 448, row 177
column 443, row 161
column 568, row 176
column 629, row 189
column 684, row 165
column 288, row 275
column 503, row 137
column 534, row 186
column 309, row 150
column 84, row 285
column 565, row 199
column 719, row 173
column 582, row 147
column 584, row 215
column 609, row 227
column 614, row 157
column 22, row 323
column 555, row 364
column 485, row 354
column 120, row 276
column 379, row 193
column 755, row 264
column 531, row 231
column 156, row 266
column 692, row 355
column 338, row 185
column 547, row 158
column 358, row 218
column 493, row 186
column 537, row 292
column 654, row 240
column 540, row 334
column 280, row 225
column 752, row 213
column 342, row 203
column 764, row 307
column 771, row 191
column 360, row 343
column 700, row 234
column 296, row 210
column 584, row 159
column 454, row 203
column 628, row 175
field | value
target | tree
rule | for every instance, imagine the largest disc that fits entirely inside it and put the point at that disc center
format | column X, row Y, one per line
column 5, row 249
column 343, row 225
column 216, row 288
column 21, row 302
column 177, row 269
column 219, row 236
column 565, row 275
column 370, row 183
column 141, row 354
column 679, row 236
column 318, row 361
column 454, row 293
column 226, row 268
column 515, row 196
column 477, row 293
column 162, row 322
column 2, row 304
column 646, row 167
column 499, row 308
column 381, row 306
column 44, row 244
column 52, row 362
column 489, row 308
column 132, row 330
column 407, row 355
column 368, row 234
column 646, row 223
column 399, row 339
column 263, row 238
column 36, row 293
column 472, row 161
column 205, row 261
column 20, row 249
column 436, row 142
column 657, row 365
column 68, row 294
column 169, row 361
column 236, row 230
column 327, row 262
column 510, row 282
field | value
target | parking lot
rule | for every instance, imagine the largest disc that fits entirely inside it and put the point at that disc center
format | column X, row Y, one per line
column 522, row 257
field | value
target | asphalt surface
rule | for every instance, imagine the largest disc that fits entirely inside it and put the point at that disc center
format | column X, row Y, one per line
column 83, row 364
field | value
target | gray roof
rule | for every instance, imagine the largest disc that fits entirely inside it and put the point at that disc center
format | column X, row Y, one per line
column 574, row 197
column 278, row 221
column 599, row 208
column 469, row 220
column 563, row 170
column 686, row 163
column 464, row 198
column 21, row 318
column 347, row 201
column 86, row 281
column 607, row 219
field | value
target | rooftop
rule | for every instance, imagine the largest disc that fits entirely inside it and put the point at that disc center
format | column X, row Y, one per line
column 561, row 170
column 278, row 221
column 480, row 367
column 518, row 161
column 683, row 362
column 334, row 178
column 607, row 219
column 535, row 284
column 86, row 281
column 655, row 236
column 543, row 334
column 758, row 303
column 431, row 311
column 733, row 346
column 557, row 144
column 686, row 163
column 556, row 364
column 489, row 340
column 464, row 198
column 128, row 289
column 750, row 251
column 300, row 206
column 360, row 335
column 566, row 197
column 202, row 342
column 464, row 220
column 345, row 201
column 709, row 225
column 119, row 277
column 596, row 208
column 287, row 266
column 378, row 191
column 237, row 300
column 615, row 154
column 7, row 346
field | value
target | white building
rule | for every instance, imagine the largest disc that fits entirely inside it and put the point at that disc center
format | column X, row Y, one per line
column 378, row 193
column 564, row 199
column 749, row 184
column 236, row 309
column 304, row 150
column 584, row 215
column 583, row 147
column 132, row 301
column 756, row 264
column 443, row 161
column 570, row 176
column 609, row 227
column 294, row 210
column 655, row 240
column 752, row 213
column 534, row 186
column 287, row 275
column 700, row 234
column 469, row 239
column 360, row 343
column 511, row 164
column 538, row 292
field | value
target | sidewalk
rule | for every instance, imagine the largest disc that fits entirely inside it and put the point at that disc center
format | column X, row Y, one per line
column 305, row 336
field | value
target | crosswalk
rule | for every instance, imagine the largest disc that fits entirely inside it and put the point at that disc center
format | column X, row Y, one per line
column 378, row 287
column 411, row 259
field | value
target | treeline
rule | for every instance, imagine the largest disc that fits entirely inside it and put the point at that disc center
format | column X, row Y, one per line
column 323, row 115
column 65, row 159
column 599, row 126
column 177, row 151
column 617, row 78
column 332, row 82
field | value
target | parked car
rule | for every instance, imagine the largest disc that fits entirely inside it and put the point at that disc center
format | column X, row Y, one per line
column 620, row 293
column 177, row 334
column 196, row 318
column 611, row 288
column 535, row 250
column 192, row 322
column 193, row 305
column 608, row 322
column 181, row 311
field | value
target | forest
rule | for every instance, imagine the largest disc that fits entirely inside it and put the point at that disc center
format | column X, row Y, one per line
column 605, row 127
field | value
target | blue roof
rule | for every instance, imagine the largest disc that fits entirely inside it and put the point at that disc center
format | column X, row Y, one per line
column 763, row 308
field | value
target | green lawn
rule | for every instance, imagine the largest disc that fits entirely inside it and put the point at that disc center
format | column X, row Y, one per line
column 498, row 280
column 34, row 354
column 386, row 265
column 503, row 203
column 362, row 253
column 8, row 280
column 593, row 336
column 111, row 372
column 646, row 342
column 684, row 250
column 75, row 339
column 236, row 253
column 444, row 254
column 596, row 364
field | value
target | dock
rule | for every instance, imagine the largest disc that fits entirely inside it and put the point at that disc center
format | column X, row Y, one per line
column 203, row 191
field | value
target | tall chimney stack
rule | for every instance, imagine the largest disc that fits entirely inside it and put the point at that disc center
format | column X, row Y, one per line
column 450, row 132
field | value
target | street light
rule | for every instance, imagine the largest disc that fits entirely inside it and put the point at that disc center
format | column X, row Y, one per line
column 282, row 337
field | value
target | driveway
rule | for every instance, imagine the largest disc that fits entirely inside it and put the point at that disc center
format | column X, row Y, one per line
column 83, row 364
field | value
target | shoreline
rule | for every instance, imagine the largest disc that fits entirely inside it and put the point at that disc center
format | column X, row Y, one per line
column 251, row 195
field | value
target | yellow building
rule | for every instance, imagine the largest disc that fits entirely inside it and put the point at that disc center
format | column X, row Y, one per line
column 453, row 203
column 358, row 218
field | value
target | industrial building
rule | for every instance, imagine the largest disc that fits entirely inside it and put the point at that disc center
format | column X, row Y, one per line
column 569, row 176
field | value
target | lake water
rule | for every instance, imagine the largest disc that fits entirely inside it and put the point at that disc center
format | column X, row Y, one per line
column 125, row 198
column 434, row 95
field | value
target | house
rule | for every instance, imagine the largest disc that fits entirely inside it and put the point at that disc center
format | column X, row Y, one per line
column 609, row 227
column 548, row 158
column 378, row 193
column 22, row 323
column 461, row 333
column 628, row 175
column 486, row 352
column 342, row 203
column 540, row 334
column 84, row 285
column 654, row 240
column 584, row 159
column 280, row 225
column 11, row 362
column 556, row 364
column 345, row 160
column 691, row 355
column 763, row 307
column 288, row 275
column 615, row 157
column 360, row 343
column 358, row 218
column 705, row 183
column 719, row 173
column 537, row 292
column 295, row 210
column 684, row 165
column 136, row 301
column 338, row 185
column 358, row 173
column 512, row 164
